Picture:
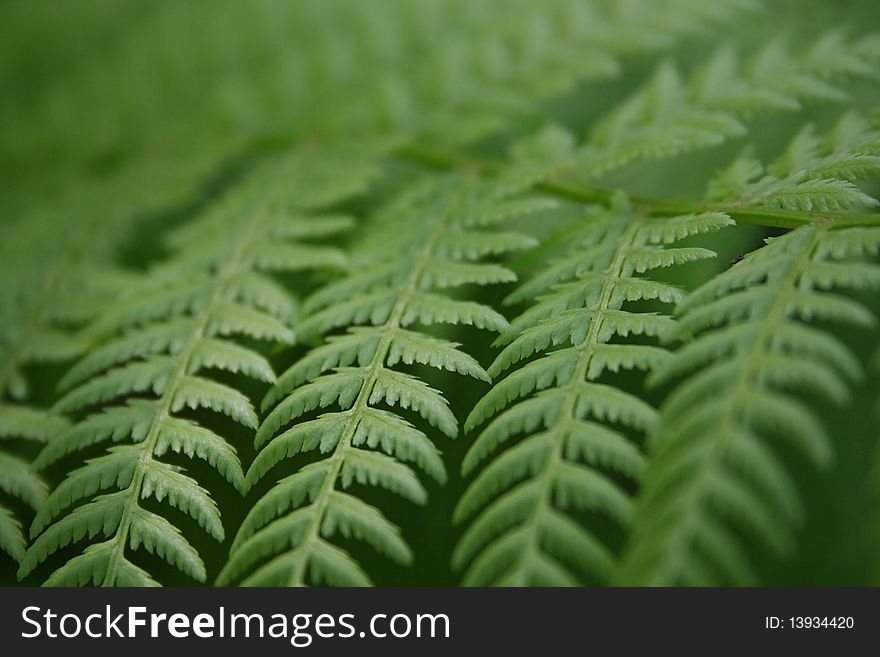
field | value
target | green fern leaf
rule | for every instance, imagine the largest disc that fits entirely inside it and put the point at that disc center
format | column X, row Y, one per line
column 166, row 340
column 716, row 475
column 669, row 116
column 520, row 534
column 160, row 223
column 54, row 286
column 364, row 444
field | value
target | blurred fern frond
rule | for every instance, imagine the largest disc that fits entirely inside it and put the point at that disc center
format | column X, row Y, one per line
column 336, row 206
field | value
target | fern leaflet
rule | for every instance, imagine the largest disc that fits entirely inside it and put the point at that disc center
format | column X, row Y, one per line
column 53, row 286
column 167, row 337
column 429, row 240
column 715, row 467
column 668, row 117
column 524, row 534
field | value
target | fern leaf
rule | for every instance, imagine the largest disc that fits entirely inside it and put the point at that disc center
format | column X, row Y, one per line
column 30, row 424
column 521, row 534
column 164, row 342
column 197, row 392
column 162, row 244
column 813, row 174
column 160, row 537
column 670, row 115
column 52, row 287
column 399, row 389
column 162, row 480
column 113, row 470
column 716, row 475
column 159, row 339
column 138, row 376
column 12, row 540
column 409, row 347
column 363, row 443
column 116, row 423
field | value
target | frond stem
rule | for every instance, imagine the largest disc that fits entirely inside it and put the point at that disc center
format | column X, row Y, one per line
column 322, row 498
column 585, row 351
column 744, row 381
column 222, row 279
column 769, row 217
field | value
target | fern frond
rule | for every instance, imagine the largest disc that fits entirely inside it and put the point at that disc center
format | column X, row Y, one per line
column 670, row 115
column 297, row 68
column 57, row 266
column 813, row 174
column 572, row 450
column 363, row 443
column 716, row 474
column 182, row 173
column 164, row 341
column 873, row 533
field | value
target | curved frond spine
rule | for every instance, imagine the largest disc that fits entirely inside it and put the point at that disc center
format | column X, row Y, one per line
column 569, row 459
column 364, row 443
column 715, row 474
column 670, row 115
column 53, row 287
column 168, row 349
